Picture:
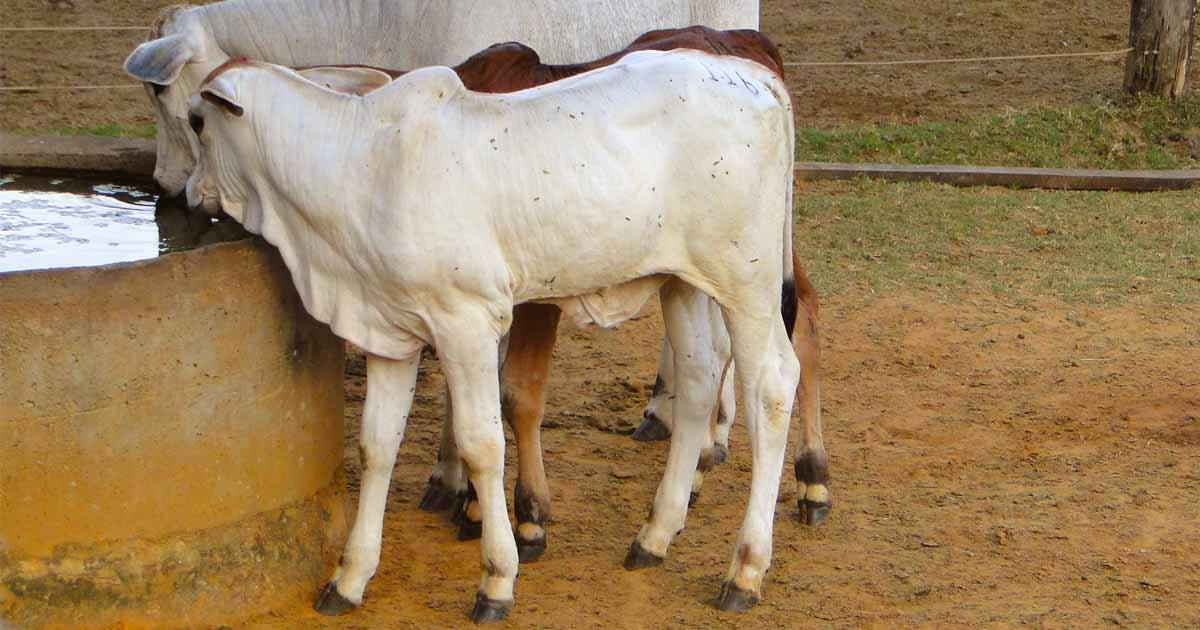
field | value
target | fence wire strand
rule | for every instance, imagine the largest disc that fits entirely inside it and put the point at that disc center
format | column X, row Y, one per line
column 790, row 64
column 25, row 29
column 913, row 62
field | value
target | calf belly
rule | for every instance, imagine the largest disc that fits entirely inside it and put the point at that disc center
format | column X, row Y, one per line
column 610, row 306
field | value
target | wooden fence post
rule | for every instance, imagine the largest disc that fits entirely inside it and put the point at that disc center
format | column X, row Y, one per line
column 1161, row 33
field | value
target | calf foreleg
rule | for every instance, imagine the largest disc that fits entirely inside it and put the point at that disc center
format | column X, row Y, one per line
column 390, row 387
column 468, row 350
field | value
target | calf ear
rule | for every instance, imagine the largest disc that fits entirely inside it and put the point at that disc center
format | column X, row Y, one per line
column 219, row 95
column 161, row 60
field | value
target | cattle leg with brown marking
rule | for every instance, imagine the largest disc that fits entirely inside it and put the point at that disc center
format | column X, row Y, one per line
column 523, row 400
column 524, row 370
column 811, row 461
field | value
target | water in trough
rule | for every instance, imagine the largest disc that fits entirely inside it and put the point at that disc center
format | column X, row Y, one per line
column 49, row 222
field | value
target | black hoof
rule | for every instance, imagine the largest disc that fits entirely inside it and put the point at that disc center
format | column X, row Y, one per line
column 330, row 601
column 488, row 610
column 720, row 453
column 530, row 551
column 692, row 497
column 734, row 599
column 814, row 513
column 437, row 496
column 458, row 510
column 652, row 429
column 468, row 530
column 639, row 558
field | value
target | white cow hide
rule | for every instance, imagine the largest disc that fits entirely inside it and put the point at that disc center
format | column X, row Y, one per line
column 188, row 42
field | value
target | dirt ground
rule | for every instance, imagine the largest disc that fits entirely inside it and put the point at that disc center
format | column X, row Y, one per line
column 994, row 464
column 849, row 30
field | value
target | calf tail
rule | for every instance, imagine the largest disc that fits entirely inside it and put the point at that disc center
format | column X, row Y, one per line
column 788, row 307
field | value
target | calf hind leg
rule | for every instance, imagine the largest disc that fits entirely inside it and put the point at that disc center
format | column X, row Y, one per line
column 716, row 448
column 811, row 461
column 697, row 373
column 390, row 387
column 769, row 373
column 447, row 486
column 656, row 418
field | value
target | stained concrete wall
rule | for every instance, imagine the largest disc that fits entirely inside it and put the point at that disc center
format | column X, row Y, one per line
column 170, row 441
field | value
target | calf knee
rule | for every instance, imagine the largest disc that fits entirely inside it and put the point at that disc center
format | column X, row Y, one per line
column 481, row 453
column 519, row 401
column 377, row 453
column 777, row 391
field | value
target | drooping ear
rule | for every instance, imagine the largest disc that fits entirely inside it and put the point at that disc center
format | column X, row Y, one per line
column 357, row 80
column 218, row 93
column 161, row 60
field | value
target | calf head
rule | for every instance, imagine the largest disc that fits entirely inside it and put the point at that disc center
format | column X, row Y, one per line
column 225, row 153
column 172, row 62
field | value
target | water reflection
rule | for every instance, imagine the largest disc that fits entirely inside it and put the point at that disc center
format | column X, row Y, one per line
column 54, row 222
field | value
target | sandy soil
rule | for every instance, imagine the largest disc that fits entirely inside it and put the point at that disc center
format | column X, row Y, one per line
column 806, row 31
column 995, row 465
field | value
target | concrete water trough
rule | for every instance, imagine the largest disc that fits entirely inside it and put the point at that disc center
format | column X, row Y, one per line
column 170, row 424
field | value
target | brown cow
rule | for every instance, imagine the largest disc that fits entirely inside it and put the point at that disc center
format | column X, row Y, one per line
column 511, row 67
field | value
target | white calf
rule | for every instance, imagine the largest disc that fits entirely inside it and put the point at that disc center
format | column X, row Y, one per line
column 421, row 213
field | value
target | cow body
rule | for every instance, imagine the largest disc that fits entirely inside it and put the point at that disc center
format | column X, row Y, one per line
column 187, row 42
column 422, row 213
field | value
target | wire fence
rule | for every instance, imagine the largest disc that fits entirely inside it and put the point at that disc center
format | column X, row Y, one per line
column 790, row 64
column 23, row 29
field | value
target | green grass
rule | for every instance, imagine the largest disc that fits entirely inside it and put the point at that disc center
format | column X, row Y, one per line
column 1134, row 134
column 877, row 237
column 111, row 130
